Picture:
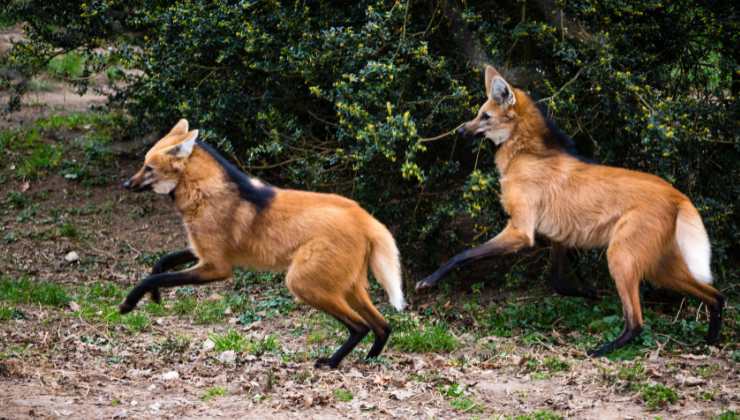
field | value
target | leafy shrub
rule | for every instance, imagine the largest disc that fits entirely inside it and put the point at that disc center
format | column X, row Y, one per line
column 336, row 97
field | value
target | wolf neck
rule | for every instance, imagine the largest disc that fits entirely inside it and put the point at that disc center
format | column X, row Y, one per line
column 208, row 176
column 527, row 139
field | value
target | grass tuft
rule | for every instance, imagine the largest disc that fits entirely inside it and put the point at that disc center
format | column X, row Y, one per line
column 25, row 291
column 427, row 339
column 213, row 392
column 657, row 396
column 343, row 395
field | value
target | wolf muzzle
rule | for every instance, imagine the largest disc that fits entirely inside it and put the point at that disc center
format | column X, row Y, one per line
column 131, row 186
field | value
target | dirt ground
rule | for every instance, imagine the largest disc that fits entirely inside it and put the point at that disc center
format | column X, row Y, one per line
column 57, row 363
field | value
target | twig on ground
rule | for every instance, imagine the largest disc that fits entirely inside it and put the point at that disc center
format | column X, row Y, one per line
column 679, row 311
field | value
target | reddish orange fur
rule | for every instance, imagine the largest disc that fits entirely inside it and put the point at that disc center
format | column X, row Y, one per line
column 324, row 242
column 582, row 205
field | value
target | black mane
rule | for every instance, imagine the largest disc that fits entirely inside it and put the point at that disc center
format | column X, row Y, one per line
column 260, row 196
column 555, row 137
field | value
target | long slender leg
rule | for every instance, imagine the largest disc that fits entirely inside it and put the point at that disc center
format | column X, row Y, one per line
column 715, row 320
column 196, row 275
column 379, row 343
column 356, row 334
column 168, row 262
column 360, row 301
column 627, row 279
column 509, row 240
column 558, row 276
column 172, row 260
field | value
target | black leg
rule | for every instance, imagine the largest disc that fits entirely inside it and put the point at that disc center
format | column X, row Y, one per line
column 558, row 277
column 715, row 320
column 154, row 282
column 379, row 343
column 464, row 258
column 168, row 262
column 172, row 260
column 355, row 336
column 629, row 334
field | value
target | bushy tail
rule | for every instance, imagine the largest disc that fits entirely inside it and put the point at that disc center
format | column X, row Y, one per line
column 693, row 242
column 385, row 263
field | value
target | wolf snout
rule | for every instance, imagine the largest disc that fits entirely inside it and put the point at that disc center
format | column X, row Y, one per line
column 126, row 184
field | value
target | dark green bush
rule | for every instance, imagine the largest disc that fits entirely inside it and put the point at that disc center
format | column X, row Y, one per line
column 334, row 96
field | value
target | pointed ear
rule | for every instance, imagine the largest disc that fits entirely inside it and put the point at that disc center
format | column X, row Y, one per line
column 184, row 149
column 490, row 74
column 181, row 127
column 502, row 93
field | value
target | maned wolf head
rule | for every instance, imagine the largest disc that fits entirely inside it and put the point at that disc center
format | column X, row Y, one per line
column 496, row 118
column 165, row 161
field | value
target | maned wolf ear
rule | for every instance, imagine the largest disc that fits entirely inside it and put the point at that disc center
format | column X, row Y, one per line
column 185, row 148
column 180, row 127
column 498, row 89
column 490, row 74
column 502, row 93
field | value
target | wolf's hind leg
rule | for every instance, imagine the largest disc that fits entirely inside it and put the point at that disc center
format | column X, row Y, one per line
column 559, row 279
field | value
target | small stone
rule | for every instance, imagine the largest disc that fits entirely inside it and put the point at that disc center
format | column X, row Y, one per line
column 71, row 257
column 227, row 357
column 171, row 375
column 208, row 345
column 151, row 387
column 74, row 306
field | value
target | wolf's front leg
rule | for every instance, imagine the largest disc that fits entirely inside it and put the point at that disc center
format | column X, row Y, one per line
column 201, row 273
column 168, row 262
column 511, row 239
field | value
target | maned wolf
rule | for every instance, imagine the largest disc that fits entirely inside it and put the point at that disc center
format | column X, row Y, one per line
column 324, row 242
column 650, row 229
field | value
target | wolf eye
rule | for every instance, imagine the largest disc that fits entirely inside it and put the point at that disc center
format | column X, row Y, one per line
column 148, row 168
column 485, row 116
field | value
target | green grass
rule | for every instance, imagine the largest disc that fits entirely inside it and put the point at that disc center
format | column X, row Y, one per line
column 458, row 398
column 555, row 364
column 67, row 66
column 268, row 344
column 343, row 395
column 210, row 312
column 425, row 339
column 232, row 340
column 538, row 415
column 6, row 20
column 174, row 345
column 184, row 305
column 657, row 396
column 99, row 303
column 728, row 415
column 587, row 325
column 40, row 149
column 213, row 392
column 26, row 291
column 7, row 313
column 68, row 230
column 633, row 373
column 17, row 199
column 466, row 405
column 544, row 369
